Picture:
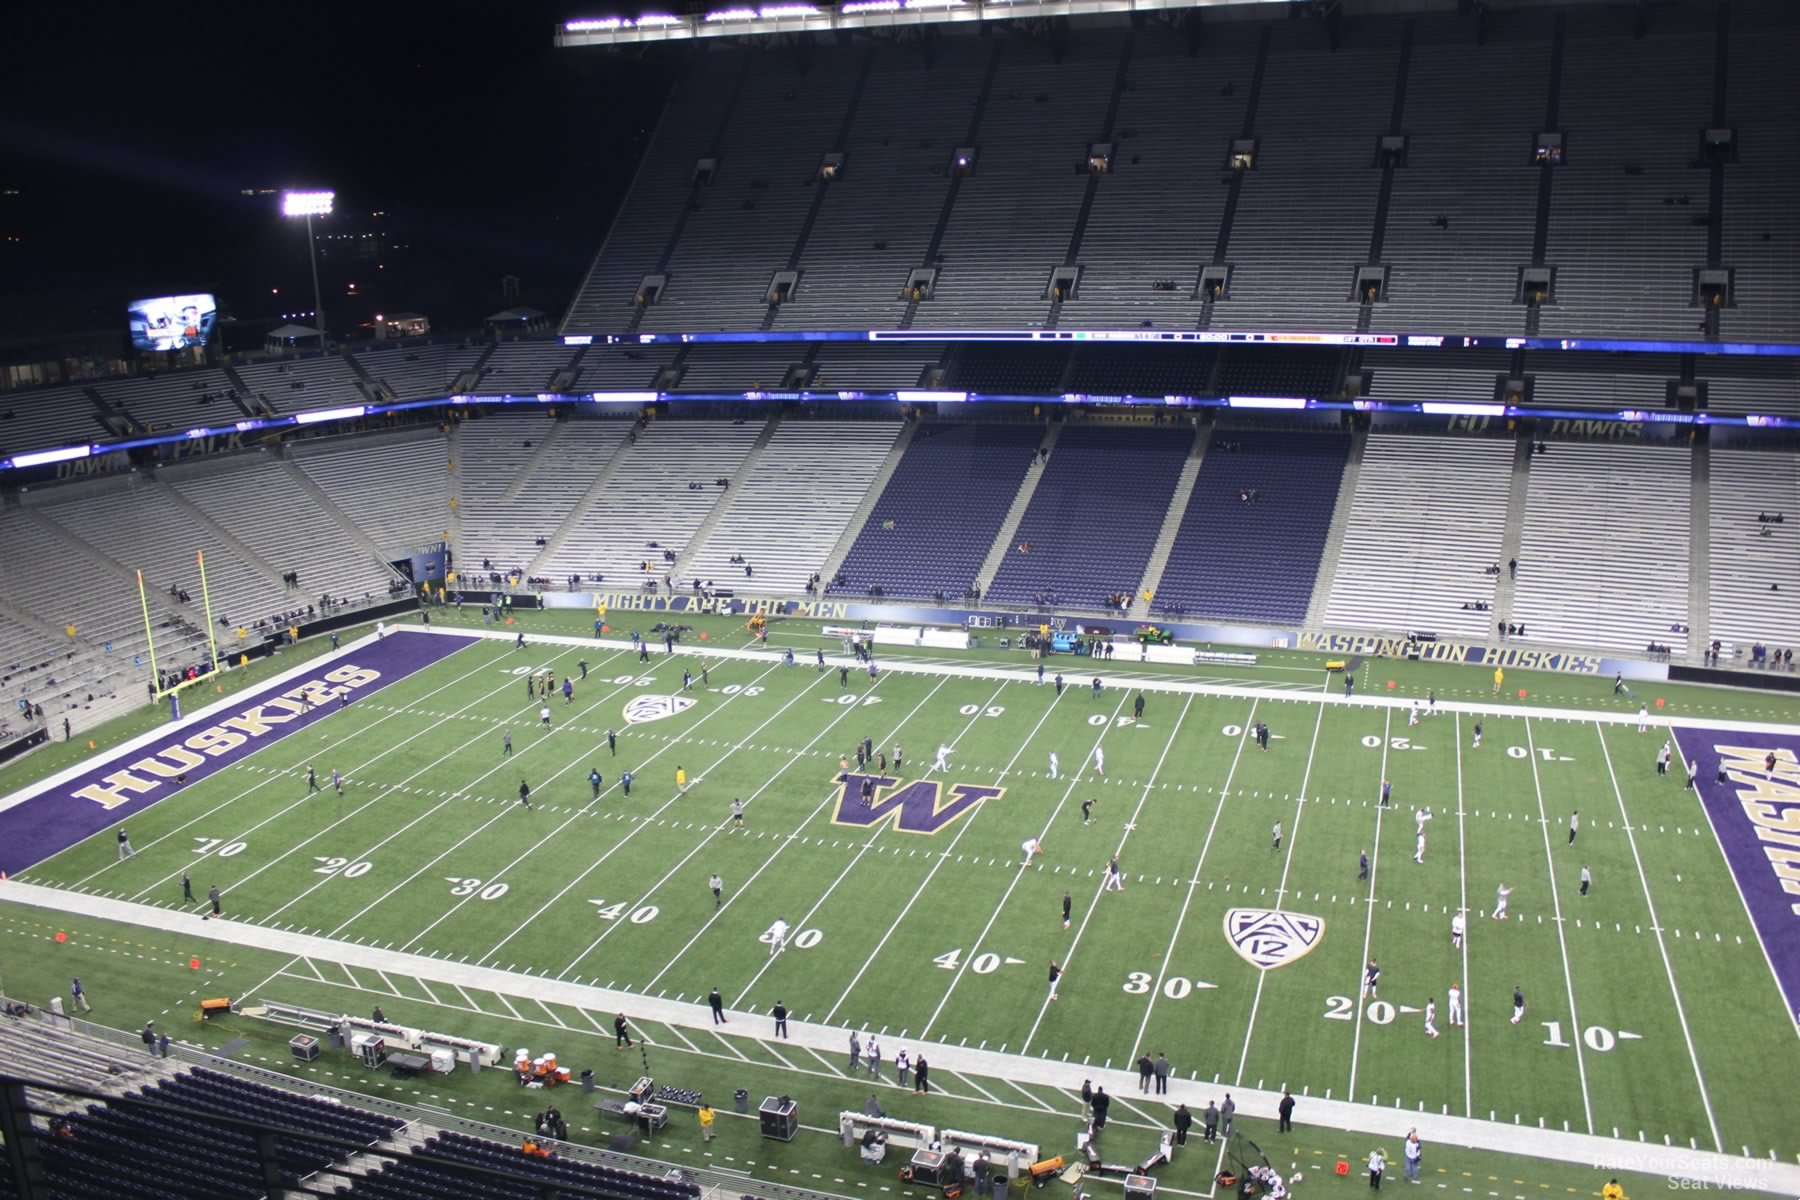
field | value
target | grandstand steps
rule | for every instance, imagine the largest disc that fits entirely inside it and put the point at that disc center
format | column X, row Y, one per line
column 546, row 445
column 467, row 380
column 685, row 556
column 1700, row 552
column 1334, row 536
column 329, row 508
column 1515, row 528
column 453, row 513
column 877, row 484
column 159, row 599
column 229, row 539
column 1165, row 538
column 578, row 514
column 996, row 555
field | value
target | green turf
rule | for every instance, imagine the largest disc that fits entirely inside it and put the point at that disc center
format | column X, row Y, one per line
column 943, row 936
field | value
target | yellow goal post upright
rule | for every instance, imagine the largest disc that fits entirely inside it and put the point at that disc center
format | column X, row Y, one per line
column 212, row 645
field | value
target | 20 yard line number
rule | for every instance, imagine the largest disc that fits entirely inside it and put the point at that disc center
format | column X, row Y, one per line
column 1596, row 1037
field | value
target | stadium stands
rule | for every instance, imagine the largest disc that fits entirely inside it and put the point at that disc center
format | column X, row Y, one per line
column 176, row 400
column 420, row 370
column 417, row 1175
column 1254, row 559
column 517, row 478
column 1426, row 524
column 659, row 490
column 1093, row 520
column 300, row 384
column 523, row 368
column 395, row 488
column 906, row 548
column 31, row 420
column 785, row 518
column 1747, row 566
column 1603, row 556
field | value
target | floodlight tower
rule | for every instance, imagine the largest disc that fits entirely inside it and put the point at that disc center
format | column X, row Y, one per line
column 309, row 205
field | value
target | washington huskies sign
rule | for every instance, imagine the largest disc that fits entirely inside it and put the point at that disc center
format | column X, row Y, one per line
column 1267, row 938
column 654, row 708
column 920, row 806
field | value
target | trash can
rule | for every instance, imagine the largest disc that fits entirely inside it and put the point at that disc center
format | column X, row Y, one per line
column 741, row 1100
column 587, row 1081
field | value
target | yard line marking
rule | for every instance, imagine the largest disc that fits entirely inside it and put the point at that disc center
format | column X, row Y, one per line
column 505, row 809
column 1124, row 1103
column 1387, row 727
column 828, row 1064
column 1793, row 1019
column 1075, row 777
column 552, row 1015
column 277, row 775
column 783, row 844
column 1562, row 940
column 1194, row 880
column 1281, row 891
column 273, row 775
column 963, row 827
column 426, row 988
column 740, row 1054
column 470, row 1000
column 1462, row 873
column 714, row 831
column 982, row 1090
column 515, row 1012
column 1662, row 947
column 1093, row 905
column 864, row 849
column 386, row 791
column 589, row 1017
column 390, row 984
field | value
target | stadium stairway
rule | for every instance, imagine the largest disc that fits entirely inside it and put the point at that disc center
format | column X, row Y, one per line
column 1700, row 552
column 330, row 509
column 227, row 538
column 1165, row 539
column 577, row 514
column 1515, row 527
column 546, row 445
column 685, row 556
column 1022, row 501
column 877, row 485
column 1334, row 534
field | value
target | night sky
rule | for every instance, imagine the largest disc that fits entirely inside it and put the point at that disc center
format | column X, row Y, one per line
column 129, row 132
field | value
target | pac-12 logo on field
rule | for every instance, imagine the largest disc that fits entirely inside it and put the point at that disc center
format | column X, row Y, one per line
column 1266, row 938
column 654, row 708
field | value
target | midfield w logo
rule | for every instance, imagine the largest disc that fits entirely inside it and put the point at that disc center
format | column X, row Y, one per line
column 916, row 807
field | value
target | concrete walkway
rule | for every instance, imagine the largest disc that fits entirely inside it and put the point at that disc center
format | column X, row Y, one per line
column 1719, row 1170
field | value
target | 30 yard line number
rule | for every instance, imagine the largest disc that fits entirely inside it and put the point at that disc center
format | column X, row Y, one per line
column 460, row 886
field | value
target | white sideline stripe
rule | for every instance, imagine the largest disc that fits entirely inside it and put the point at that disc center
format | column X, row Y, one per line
column 1181, row 687
column 1194, row 879
column 1791, row 1013
column 1687, row 1034
column 1387, row 729
column 784, row 842
column 1582, row 1149
column 1562, row 941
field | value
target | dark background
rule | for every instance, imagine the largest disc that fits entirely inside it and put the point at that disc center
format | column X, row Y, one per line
column 128, row 133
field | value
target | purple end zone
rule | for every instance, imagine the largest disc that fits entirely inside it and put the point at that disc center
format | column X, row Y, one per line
column 60, row 816
column 1756, row 814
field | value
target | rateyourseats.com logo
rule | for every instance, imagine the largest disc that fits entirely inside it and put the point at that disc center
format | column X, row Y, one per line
column 1695, row 1173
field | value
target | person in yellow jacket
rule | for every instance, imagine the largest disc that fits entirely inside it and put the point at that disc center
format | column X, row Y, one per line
column 1499, row 678
column 681, row 779
column 1612, row 1191
column 706, row 1124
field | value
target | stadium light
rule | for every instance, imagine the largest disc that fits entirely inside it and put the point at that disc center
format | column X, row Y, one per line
column 310, row 205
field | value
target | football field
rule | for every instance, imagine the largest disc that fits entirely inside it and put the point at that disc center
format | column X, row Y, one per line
column 1237, row 944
